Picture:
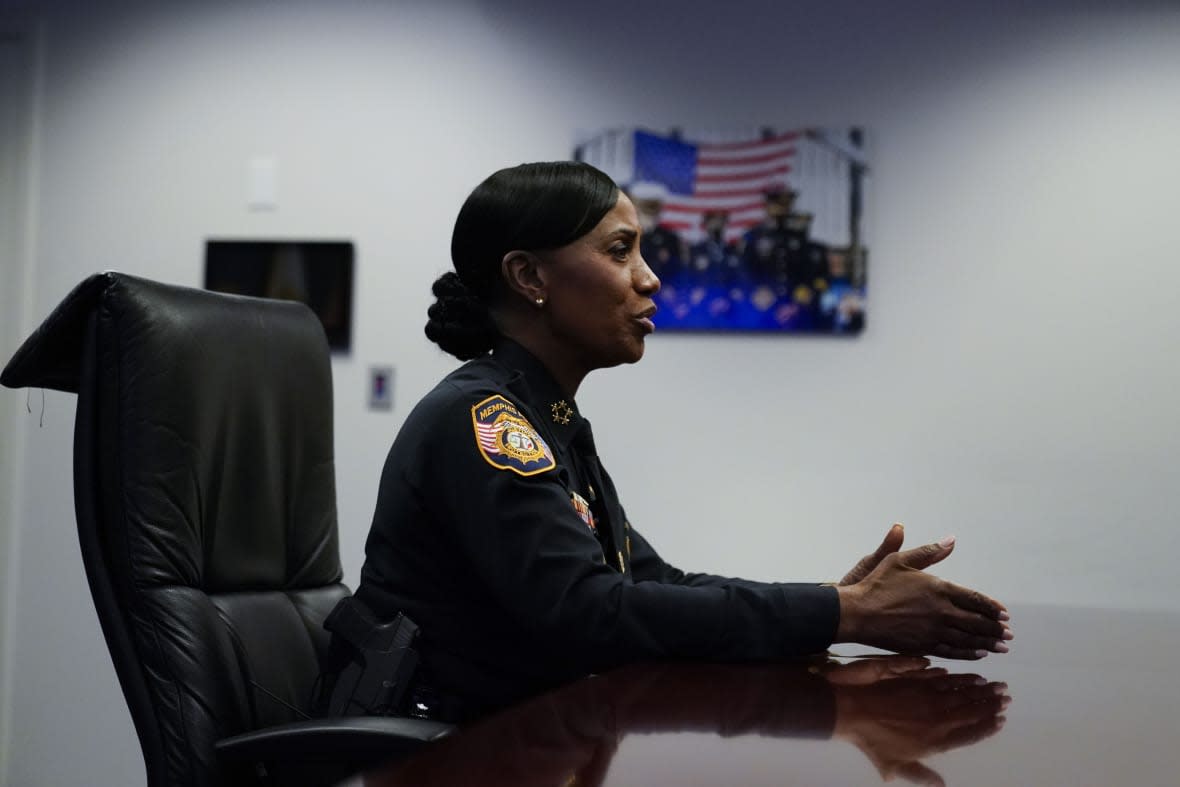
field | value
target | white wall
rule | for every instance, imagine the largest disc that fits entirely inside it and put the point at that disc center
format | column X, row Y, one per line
column 1015, row 385
column 18, row 89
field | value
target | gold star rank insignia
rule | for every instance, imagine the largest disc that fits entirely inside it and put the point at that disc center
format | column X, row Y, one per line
column 562, row 412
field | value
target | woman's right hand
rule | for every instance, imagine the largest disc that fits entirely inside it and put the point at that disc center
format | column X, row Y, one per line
column 899, row 607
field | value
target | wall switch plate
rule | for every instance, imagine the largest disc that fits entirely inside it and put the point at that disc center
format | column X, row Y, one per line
column 263, row 184
column 380, row 387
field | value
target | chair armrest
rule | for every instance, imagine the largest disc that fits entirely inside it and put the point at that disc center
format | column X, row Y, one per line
column 324, row 751
column 334, row 738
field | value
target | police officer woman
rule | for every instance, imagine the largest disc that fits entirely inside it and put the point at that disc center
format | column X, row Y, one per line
column 497, row 529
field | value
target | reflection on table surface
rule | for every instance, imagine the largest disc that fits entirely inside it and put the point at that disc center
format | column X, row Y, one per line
column 1085, row 698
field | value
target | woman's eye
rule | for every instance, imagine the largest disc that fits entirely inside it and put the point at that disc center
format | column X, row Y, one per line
column 620, row 251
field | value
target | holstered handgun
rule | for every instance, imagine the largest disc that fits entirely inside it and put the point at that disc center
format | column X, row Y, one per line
column 378, row 661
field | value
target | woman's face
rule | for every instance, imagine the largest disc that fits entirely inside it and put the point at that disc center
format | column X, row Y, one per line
column 599, row 292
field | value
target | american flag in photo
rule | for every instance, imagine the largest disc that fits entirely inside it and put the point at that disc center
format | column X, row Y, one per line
column 695, row 176
column 696, row 170
column 702, row 177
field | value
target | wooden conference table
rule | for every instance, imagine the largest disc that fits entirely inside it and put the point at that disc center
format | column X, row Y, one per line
column 1085, row 697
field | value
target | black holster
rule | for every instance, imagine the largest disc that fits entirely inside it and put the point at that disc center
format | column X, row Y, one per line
column 373, row 663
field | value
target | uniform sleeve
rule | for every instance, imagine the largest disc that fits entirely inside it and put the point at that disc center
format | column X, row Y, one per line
column 543, row 567
column 648, row 566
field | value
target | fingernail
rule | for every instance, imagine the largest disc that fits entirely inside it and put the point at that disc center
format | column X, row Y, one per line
column 1005, row 616
column 1000, row 647
column 980, row 654
column 1008, row 634
column 947, row 542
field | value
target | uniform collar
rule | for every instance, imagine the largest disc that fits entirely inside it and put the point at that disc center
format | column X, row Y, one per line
column 559, row 410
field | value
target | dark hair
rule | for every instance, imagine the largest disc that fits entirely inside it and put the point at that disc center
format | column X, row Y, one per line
column 529, row 207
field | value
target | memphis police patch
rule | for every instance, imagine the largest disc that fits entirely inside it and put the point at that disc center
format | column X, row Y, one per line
column 507, row 440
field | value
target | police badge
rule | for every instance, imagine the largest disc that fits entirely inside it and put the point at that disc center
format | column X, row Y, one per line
column 507, row 441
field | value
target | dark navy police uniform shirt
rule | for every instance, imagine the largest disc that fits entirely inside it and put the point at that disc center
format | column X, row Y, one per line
column 498, row 532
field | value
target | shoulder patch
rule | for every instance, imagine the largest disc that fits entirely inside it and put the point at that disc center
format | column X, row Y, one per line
column 507, row 441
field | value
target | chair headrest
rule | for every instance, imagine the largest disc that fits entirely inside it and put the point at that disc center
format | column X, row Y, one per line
column 52, row 355
column 213, row 415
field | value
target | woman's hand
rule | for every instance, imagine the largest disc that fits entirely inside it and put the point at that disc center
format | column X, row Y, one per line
column 898, row 713
column 897, row 606
column 891, row 544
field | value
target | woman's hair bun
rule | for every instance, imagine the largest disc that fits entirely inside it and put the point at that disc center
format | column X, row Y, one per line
column 459, row 321
column 544, row 205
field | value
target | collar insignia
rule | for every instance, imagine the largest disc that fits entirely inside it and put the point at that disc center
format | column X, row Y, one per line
column 562, row 412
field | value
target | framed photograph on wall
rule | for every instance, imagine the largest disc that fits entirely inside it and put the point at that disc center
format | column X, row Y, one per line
column 749, row 230
column 316, row 272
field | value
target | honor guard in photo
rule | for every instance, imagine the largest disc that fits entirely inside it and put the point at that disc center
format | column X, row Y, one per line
column 662, row 248
column 771, row 245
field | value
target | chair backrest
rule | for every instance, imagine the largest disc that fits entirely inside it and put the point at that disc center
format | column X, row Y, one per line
column 204, row 489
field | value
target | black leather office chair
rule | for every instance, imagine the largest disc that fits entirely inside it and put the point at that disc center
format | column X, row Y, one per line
column 204, row 490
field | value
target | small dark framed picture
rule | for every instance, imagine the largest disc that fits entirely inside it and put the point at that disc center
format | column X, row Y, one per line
column 316, row 272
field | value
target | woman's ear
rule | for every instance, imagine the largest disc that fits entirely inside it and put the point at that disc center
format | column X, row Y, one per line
column 522, row 273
